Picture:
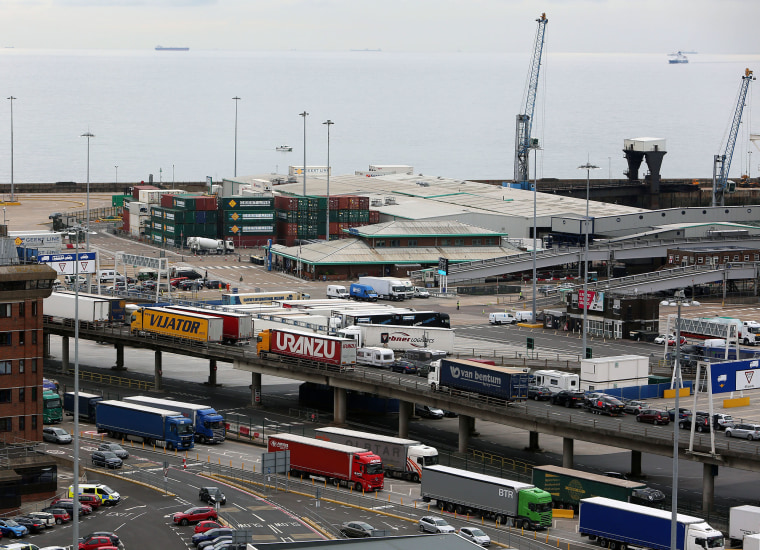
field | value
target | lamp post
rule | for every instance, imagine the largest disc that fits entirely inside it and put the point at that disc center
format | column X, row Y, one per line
column 328, row 123
column 536, row 149
column 11, row 98
column 587, row 167
column 304, row 115
column 679, row 297
column 116, row 178
column 88, row 135
column 236, row 98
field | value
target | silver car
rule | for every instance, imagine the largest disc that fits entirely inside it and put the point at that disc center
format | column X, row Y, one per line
column 55, row 435
column 475, row 535
column 432, row 524
column 747, row 431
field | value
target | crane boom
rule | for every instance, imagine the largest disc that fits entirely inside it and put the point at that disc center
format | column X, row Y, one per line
column 525, row 120
column 722, row 163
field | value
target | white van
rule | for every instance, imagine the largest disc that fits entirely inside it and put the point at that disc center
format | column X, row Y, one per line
column 107, row 275
column 499, row 318
column 337, row 291
column 524, row 316
column 375, row 357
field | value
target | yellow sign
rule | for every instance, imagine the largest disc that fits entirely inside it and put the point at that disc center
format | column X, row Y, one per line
column 235, row 228
column 235, row 216
column 232, row 203
column 19, row 241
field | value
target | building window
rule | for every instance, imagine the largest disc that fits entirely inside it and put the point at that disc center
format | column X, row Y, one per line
column 21, row 365
column 34, row 337
column 5, row 367
column 678, row 258
column 490, row 241
column 411, row 242
column 6, row 424
column 21, row 338
column 5, row 310
column 34, row 421
column 746, row 257
column 700, row 259
column 757, row 257
column 444, row 242
column 6, row 338
column 395, row 243
column 21, row 309
column 379, row 244
column 736, row 257
column 34, row 308
column 476, row 242
column 5, row 396
column 34, row 365
column 725, row 259
column 34, row 393
column 21, row 395
column 21, row 423
column 458, row 242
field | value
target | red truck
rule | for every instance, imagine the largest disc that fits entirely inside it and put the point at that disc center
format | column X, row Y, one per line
column 318, row 348
column 236, row 327
column 338, row 464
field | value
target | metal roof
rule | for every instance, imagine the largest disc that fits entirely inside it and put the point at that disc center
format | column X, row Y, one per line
column 408, row 542
column 422, row 229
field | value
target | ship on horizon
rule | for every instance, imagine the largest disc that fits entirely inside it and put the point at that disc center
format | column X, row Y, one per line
column 172, row 48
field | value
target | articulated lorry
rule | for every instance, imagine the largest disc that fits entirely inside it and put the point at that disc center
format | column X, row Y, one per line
column 404, row 458
column 208, row 424
column 130, row 421
column 52, row 407
column 203, row 245
column 87, row 404
column 567, row 487
column 480, row 495
column 171, row 323
column 400, row 338
column 88, row 309
column 461, row 375
column 318, row 349
column 339, row 464
column 116, row 304
column 617, row 525
column 742, row 522
column 387, row 288
column 237, row 327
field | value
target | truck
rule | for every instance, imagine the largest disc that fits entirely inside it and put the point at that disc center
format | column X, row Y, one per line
column 152, row 425
column 52, row 407
column 315, row 349
column 489, row 381
column 750, row 333
column 203, row 245
column 116, row 304
column 743, row 521
column 399, row 337
column 45, row 242
column 567, row 487
column 387, row 288
column 208, row 424
column 161, row 321
column 89, row 310
column 87, row 404
column 617, row 524
column 508, row 502
column 234, row 299
column 404, row 458
column 752, row 542
column 363, row 293
column 237, row 327
column 338, row 464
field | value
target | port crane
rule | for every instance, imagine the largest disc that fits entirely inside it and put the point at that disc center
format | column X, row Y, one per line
column 525, row 119
column 722, row 163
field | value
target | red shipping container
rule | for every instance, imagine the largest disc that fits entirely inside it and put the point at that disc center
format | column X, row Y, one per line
column 374, row 216
column 363, row 203
column 125, row 220
column 167, row 201
column 284, row 229
column 205, row 203
column 286, row 203
column 254, row 240
column 344, row 202
column 334, row 203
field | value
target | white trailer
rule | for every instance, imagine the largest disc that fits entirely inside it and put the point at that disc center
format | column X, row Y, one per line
column 91, row 310
column 375, row 357
column 400, row 338
column 743, row 521
column 387, row 288
column 557, row 380
column 45, row 242
column 621, row 371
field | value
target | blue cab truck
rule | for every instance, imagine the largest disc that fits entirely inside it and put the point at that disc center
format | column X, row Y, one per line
column 87, row 404
column 364, row 293
column 472, row 377
column 209, row 425
column 162, row 427
column 617, row 525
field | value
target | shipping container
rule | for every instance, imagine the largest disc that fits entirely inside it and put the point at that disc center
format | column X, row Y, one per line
column 248, row 203
column 249, row 217
column 64, row 305
column 137, row 188
column 461, row 375
column 87, row 404
column 743, row 521
column 614, row 372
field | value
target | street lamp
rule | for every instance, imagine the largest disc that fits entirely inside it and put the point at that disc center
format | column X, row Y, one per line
column 12, row 195
column 88, row 135
column 304, row 115
column 536, row 149
column 236, row 98
column 116, row 178
column 328, row 123
column 679, row 297
column 587, row 167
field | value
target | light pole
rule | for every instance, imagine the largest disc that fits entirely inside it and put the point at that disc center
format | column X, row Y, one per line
column 328, row 123
column 304, row 115
column 587, row 167
column 88, row 135
column 11, row 98
column 536, row 149
column 679, row 296
column 236, row 98
column 116, row 178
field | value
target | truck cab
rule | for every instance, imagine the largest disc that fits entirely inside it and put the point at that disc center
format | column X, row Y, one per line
column 52, row 407
column 362, row 292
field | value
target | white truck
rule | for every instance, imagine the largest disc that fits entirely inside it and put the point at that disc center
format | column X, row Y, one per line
column 400, row 338
column 750, row 332
column 387, row 288
column 203, row 245
column 743, row 521
column 90, row 310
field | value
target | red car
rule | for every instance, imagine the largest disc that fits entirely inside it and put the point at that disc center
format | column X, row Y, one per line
column 204, row 526
column 95, row 542
column 90, row 500
column 193, row 515
column 60, row 515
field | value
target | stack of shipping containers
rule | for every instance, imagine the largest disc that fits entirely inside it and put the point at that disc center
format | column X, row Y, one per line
column 298, row 218
column 248, row 220
column 184, row 216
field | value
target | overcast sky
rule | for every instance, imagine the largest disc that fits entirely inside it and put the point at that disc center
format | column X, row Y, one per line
column 616, row 26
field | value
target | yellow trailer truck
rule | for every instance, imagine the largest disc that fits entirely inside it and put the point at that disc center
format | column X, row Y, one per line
column 177, row 324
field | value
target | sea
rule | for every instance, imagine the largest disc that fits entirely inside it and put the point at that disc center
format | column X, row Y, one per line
column 172, row 115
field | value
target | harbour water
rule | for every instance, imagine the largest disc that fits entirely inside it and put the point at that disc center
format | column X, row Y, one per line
column 171, row 114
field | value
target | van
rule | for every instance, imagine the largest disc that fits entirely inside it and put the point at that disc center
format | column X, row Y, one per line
column 375, row 357
column 524, row 316
column 337, row 291
column 498, row 318
column 106, row 275
column 362, row 292
column 714, row 343
column 107, row 496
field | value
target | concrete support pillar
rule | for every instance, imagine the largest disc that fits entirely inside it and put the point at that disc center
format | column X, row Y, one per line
column 339, row 406
column 635, row 463
column 119, row 357
column 533, row 442
column 212, row 372
column 708, row 486
column 65, row 354
column 256, row 389
column 404, row 412
column 567, row 452
column 45, row 345
column 157, row 371
column 465, row 428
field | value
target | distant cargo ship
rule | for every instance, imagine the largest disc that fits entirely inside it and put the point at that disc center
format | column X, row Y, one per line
column 171, row 49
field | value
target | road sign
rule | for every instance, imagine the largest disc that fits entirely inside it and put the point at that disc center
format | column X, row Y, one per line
column 143, row 261
column 443, row 266
column 735, row 376
column 589, row 353
column 64, row 264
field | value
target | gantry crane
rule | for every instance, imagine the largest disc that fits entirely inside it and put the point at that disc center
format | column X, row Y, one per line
column 722, row 163
column 525, row 120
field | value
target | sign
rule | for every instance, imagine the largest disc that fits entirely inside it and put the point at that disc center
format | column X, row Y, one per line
column 443, row 266
column 143, row 261
column 735, row 376
column 592, row 300
column 64, row 264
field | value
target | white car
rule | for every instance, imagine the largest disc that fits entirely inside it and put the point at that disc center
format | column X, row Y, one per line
column 662, row 338
column 432, row 524
column 475, row 535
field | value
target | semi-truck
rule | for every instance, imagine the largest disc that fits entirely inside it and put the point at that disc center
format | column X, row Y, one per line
column 233, row 299
column 508, row 502
column 208, row 424
column 319, row 349
column 87, row 404
column 203, row 245
column 743, row 521
column 404, row 458
column 400, row 338
column 116, row 304
column 462, row 375
column 617, row 524
column 567, row 487
column 152, row 425
column 387, row 288
column 339, row 464
column 90, row 310
column 52, row 407
column 237, row 327
column 160, row 321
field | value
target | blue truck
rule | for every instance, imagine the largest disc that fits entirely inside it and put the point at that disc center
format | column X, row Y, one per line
column 617, row 525
column 87, row 404
column 162, row 427
column 209, row 425
column 364, row 293
column 473, row 377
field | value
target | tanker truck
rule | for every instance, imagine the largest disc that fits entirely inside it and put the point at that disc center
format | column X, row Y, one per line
column 203, row 245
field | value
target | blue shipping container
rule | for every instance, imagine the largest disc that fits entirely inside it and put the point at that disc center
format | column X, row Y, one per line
column 501, row 382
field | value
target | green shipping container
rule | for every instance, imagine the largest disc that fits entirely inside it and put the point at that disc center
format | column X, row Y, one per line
column 247, row 203
column 250, row 217
column 232, row 230
column 177, row 216
column 321, row 202
column 118, row 200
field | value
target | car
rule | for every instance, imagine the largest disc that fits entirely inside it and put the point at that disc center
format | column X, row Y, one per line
column 683, row 412
column 606, row 404
column 747, row 431
column 701, row 422
column 475, row 535
column 107, row 459
column 588, row 397
column 212, row 495
column 653, row 416
column 46, row 518
column 403, row 366
column 204, row 526
column 211, row 534
column 91, row 500
column 177, row 280
column 68, row 505
column 194, row 515
column 213, row 283
column 634, row 406
column 33, row 525
column 670, row 338
column 55, row 435
column 61, row 516
column 420, row 292
column 9, row 528
column 115, row 448
column 189, row 284
column 112, row 536
column 568, row 398
column 428, row 412
column 432, row 524
column 723, row 421
column 539, row 393
column 357, row 529
column 215, row 543
column 95, row 542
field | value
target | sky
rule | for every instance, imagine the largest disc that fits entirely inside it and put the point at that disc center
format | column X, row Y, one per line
column 577, row 26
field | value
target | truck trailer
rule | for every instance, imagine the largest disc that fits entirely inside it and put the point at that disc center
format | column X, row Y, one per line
column 387, row 288
column 116, row 304
column 177, row 324
column 318, row 349
column 90, row 310
column 480, row 495
column 617, row 524
column 743, row 521
column 405, row 458
column 87, row 404
column 339, row 464
column 400, row 338
column 208, row 424
column 567, row 487
column 130, row 421
column 237, row 327
column 462, row 375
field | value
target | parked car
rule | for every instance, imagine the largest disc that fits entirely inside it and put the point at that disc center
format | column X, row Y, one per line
column 606, row 404
column 213, row 544
column 92, row 501
column 193, row 515
column 55, row 435
column 747, row 431
column 683, row 412
column 112, row 536
column 432, row 524
column 190, row 285
column 68, row 505
column 213, row 283
column 701, row 422
column 475, row 535
column 723, row 421
column 634, row 406
column 33, row 525
column 204, row 526
column 212, row 495
column 9, row 528
column 211, row 534
column 107, row 459
column 45, row 517
column 653, row 416
column 539, row 393
column 403, row 366
column 95, row 542
column 428, row 412
column 115, row 448
column 60, row 515
column 357, row 529
column 568, row 398
column 670, row 338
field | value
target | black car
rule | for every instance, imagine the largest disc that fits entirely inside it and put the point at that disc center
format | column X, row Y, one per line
column 34, row 525
column 115, row 448
column 683, row 412
column 212, row 495
column 213, row 283
column 357, row 529
column 568, row 398
column 106, row 458
column 190, row 285
column 539, row 393
column 606, row 404
column 702, row 423
column 403, row 366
